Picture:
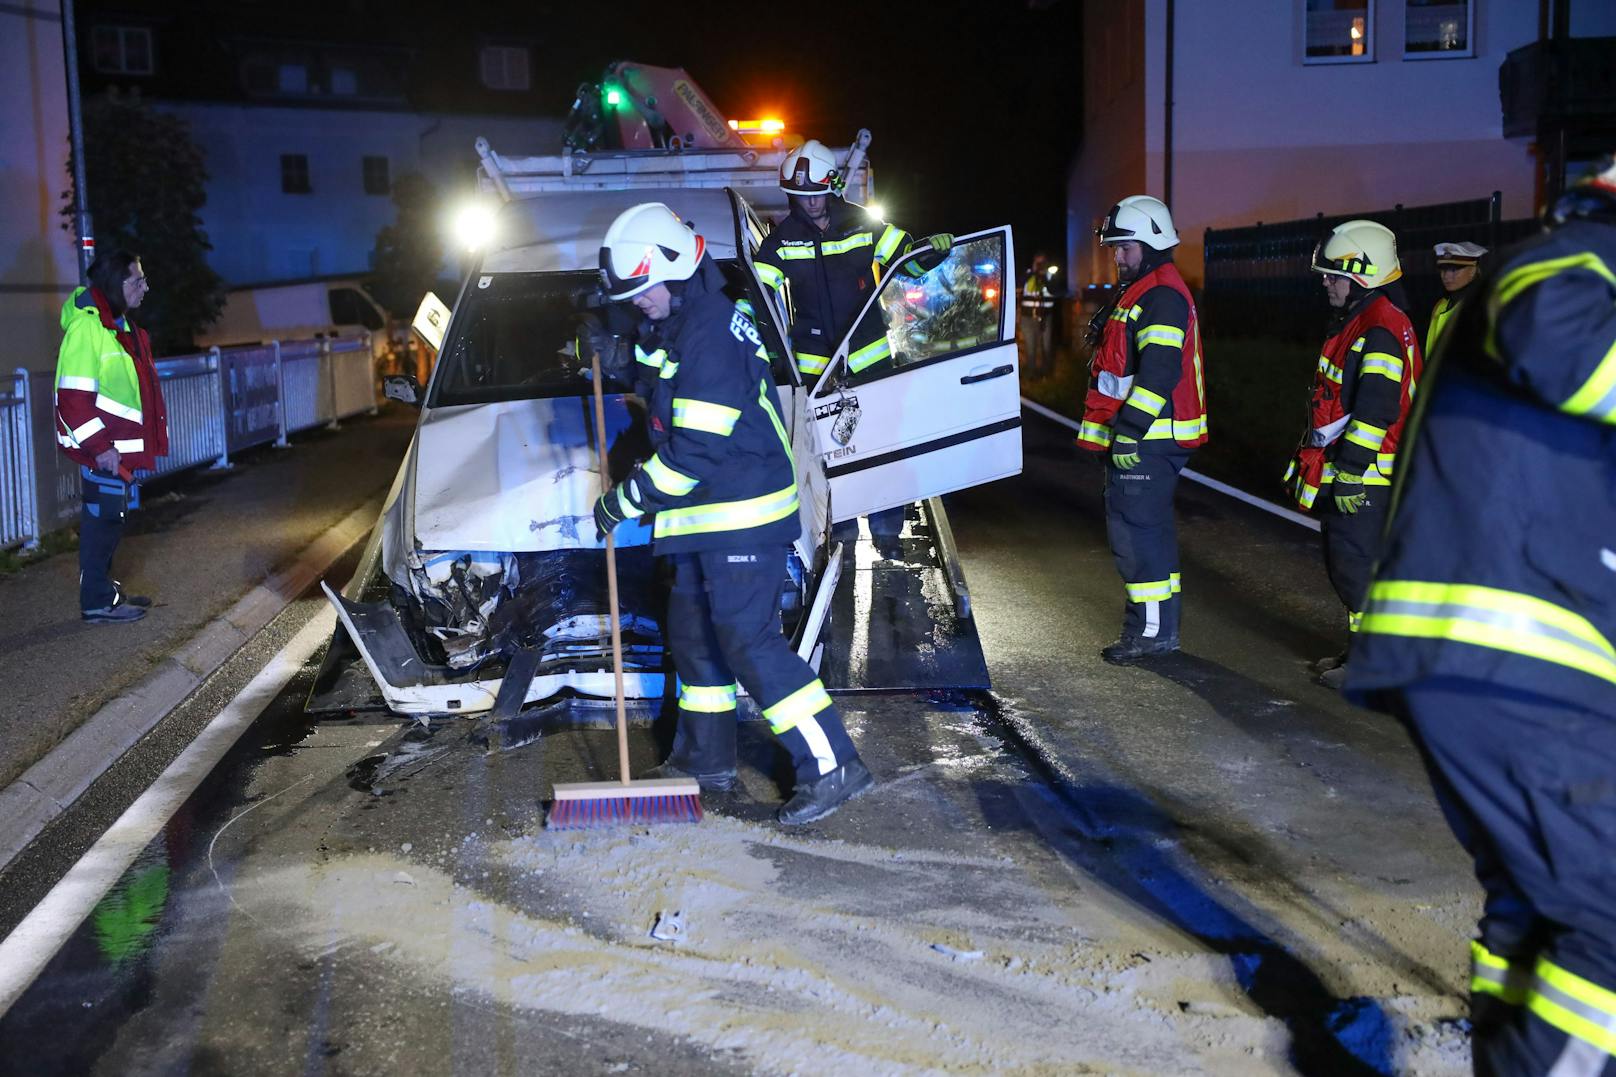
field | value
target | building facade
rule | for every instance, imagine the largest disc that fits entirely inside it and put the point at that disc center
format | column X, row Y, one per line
column 1273, row 110
column 38, row 261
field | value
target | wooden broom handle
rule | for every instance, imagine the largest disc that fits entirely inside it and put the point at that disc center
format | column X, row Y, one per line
column 611, row 577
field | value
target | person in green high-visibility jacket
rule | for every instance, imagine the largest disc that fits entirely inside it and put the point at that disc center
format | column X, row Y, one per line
column 110, row 420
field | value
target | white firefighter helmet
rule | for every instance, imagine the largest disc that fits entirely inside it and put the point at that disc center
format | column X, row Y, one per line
column 1362, row 250
column 807, row 170
column 1142, row 219
column 646, row 245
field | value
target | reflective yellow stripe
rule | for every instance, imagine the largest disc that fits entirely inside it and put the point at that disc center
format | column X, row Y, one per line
column 766, row 402
column 892, row 238
column 1497, row 976
column 1383, row 363
column 1178, row 583
column 1134, row 312
column 1094, row 434
column 1488, row 617
column 651, row 359
column 1151, row 591
column 1361, row 433
column 805, row 702
column 1520, row 278
column 1175, row 429
column 129, row 444
column 797, row 254
column 700, row 415
column 809, row 363
column 1330, row 370
column 1598, row 396
column 1119, row 315
column 1146, row 401
column 1575, row 1006
column 1159, row 334
column 869, row 355
column 768, row 274
column 727, row 515
column 707, row 699
column 847, row 243
column 83, row 385
column 664, row 478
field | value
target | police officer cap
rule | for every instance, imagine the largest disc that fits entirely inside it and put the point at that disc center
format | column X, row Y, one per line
column 1459, row 254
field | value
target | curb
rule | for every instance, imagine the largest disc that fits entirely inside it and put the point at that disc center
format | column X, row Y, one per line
column 50, row 786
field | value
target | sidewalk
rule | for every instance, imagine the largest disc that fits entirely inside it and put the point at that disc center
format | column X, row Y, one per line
column 200, row 542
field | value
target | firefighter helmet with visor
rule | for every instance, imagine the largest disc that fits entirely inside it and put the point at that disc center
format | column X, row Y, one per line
column 647, row 245
column 1362, row 251
column 1141, row 219
column 807, row 171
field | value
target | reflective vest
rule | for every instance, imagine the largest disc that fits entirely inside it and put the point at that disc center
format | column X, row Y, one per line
column 1345, row 364
column 107, row 390
column 1035, row 297
column 1183, row 419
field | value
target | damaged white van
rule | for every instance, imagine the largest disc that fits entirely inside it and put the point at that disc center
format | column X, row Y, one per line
column 483, row 573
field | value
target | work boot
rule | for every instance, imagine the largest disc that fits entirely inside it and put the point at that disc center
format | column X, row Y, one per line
column 818, row 798
column 1333, row 677
column 721, row 781
column 1130, row 649
column 125, row 599
column 1325, row 665
column 117, row 613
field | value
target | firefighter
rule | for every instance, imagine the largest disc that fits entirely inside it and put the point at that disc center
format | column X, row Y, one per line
column 1146, row 408
column 822, row 260
column 1456, row 264
column 1366, row 377
column 1038, row 317
column 722, row 485
column 1491, row 631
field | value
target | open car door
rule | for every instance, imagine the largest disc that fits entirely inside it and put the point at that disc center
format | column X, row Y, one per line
column 943, row 412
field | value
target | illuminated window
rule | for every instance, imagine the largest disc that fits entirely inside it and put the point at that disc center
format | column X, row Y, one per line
column 1434, row 29
column 1339, row 31
column 504, row 67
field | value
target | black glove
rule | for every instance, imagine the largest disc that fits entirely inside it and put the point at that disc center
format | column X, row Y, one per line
column 608, row 514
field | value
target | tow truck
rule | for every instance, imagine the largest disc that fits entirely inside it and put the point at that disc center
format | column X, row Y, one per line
column 480, row 590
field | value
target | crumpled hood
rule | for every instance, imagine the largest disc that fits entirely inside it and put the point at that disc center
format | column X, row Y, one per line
column 518, row 476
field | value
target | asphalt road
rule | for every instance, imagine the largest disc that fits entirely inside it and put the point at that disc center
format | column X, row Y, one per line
column 1205, row 865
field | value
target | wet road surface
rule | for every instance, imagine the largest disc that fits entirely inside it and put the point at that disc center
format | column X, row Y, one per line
column 1209, row 865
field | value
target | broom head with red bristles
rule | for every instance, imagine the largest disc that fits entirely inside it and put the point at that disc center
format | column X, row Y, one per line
column 582, row 805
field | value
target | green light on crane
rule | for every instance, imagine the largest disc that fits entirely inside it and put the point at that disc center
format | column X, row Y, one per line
column 614, row 97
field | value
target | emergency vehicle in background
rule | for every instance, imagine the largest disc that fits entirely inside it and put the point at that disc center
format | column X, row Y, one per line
column 482, row 582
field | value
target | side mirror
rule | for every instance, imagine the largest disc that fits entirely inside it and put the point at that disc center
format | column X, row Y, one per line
column 403, row 388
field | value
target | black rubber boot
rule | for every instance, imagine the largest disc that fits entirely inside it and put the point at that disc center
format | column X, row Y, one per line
column 1130, row 649
column 718, row 782
column 819, row 798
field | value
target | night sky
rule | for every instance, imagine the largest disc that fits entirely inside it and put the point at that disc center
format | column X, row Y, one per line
column 975, row 107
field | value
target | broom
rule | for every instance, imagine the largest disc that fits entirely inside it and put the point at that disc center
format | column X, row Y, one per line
column 581, row 805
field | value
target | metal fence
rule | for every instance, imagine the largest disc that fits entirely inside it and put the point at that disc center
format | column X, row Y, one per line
column 1258, row 281
column 219, row 402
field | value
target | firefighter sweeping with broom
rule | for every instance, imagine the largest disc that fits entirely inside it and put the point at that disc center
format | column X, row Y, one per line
column 723, row 487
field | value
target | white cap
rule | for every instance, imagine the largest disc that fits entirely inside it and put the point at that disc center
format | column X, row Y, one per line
column 1462, row 253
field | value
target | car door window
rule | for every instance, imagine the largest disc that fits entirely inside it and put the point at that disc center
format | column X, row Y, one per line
column 955, row 307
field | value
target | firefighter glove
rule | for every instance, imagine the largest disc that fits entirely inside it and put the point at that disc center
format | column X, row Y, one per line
column 1125, row 453
column 1349, row 493
column 608, row 514
column 941, row 242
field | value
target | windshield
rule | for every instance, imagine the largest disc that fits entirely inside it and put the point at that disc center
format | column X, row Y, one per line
column 514, row 339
